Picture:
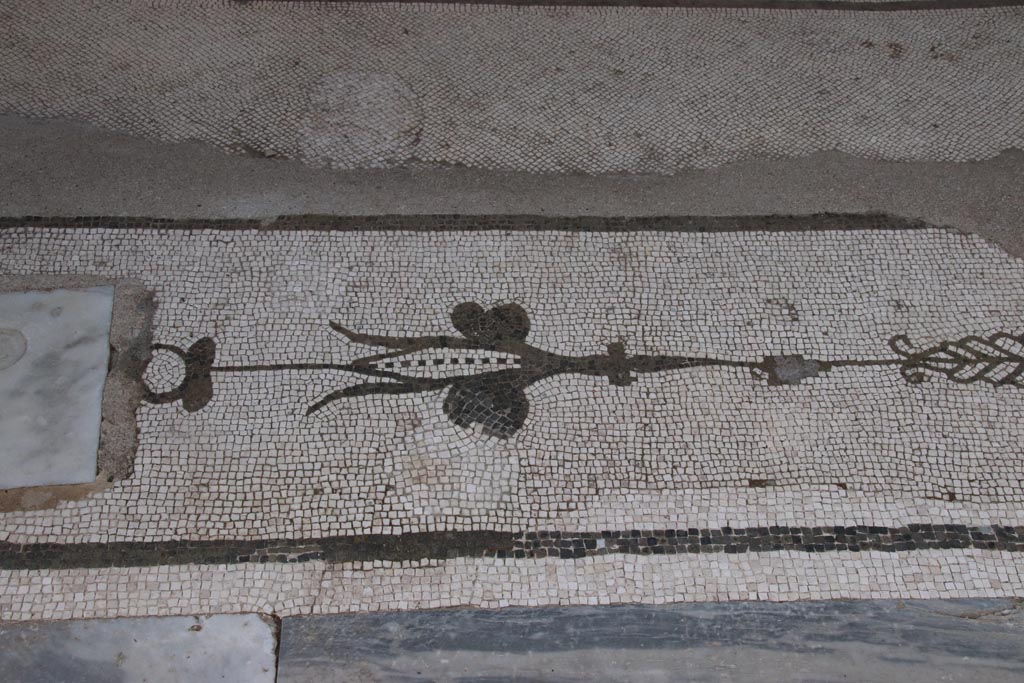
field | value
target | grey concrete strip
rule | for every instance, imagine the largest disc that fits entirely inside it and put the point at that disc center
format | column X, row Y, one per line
column 155, row 650
column 52, row 168
column 921, row 641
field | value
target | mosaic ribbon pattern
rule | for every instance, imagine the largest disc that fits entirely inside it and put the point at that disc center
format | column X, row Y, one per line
column 493, row 394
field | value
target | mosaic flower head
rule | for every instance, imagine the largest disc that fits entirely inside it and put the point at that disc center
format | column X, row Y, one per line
column 485, row 370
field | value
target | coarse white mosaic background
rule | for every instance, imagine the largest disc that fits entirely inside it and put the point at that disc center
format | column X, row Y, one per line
column 539, row 89
column 675, row 449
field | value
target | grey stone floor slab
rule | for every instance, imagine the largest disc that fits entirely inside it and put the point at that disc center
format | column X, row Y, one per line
column 157, row 650
column 910, row 642
column 54, row 350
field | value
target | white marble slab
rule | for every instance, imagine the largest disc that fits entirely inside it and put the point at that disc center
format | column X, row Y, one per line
column 54, row 350
column 237, row 647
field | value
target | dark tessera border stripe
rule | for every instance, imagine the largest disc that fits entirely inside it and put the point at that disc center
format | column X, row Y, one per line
column 529, row 545
column 847, row 5
column 482, row 223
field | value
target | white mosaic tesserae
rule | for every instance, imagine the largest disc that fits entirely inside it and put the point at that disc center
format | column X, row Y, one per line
column 608, row 390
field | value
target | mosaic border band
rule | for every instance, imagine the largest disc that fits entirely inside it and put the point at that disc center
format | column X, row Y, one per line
column 529, row 545
column 486, row 223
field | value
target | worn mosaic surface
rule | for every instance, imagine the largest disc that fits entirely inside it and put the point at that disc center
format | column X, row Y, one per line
column 443, row 411
column 537, row 89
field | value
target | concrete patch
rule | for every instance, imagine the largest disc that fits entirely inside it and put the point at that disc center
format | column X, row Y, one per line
column 54, row 357
column 951, row 640
column 155, row 650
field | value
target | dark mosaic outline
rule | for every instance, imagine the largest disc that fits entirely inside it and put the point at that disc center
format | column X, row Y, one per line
column 790, row 5
column 488, row 223
column 445, row 545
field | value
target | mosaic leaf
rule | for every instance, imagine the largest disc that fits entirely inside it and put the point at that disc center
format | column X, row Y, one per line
column 494, row 402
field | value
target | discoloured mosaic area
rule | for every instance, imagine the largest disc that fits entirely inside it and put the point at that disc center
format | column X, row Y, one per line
column 821, row 442
column 538, row 89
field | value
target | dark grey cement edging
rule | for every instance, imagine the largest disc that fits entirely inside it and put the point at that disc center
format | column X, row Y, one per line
column 881, row 640
column 130, row 338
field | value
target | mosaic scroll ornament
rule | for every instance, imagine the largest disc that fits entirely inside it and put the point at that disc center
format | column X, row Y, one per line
column 487, row 370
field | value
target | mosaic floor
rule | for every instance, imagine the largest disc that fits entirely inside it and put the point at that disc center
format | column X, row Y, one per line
column 536, row 89
column 361, row 414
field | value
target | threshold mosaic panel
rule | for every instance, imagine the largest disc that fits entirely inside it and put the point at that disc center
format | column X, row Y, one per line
column 430, row 400
column 532, row 89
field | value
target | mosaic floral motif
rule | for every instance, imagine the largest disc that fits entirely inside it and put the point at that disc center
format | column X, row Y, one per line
column 998, row 360
column 497, row 365
column 494, row 399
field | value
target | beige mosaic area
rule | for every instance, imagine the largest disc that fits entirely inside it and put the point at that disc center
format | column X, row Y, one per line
column 539, row 89
column 318, row 588
column 676, row 449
